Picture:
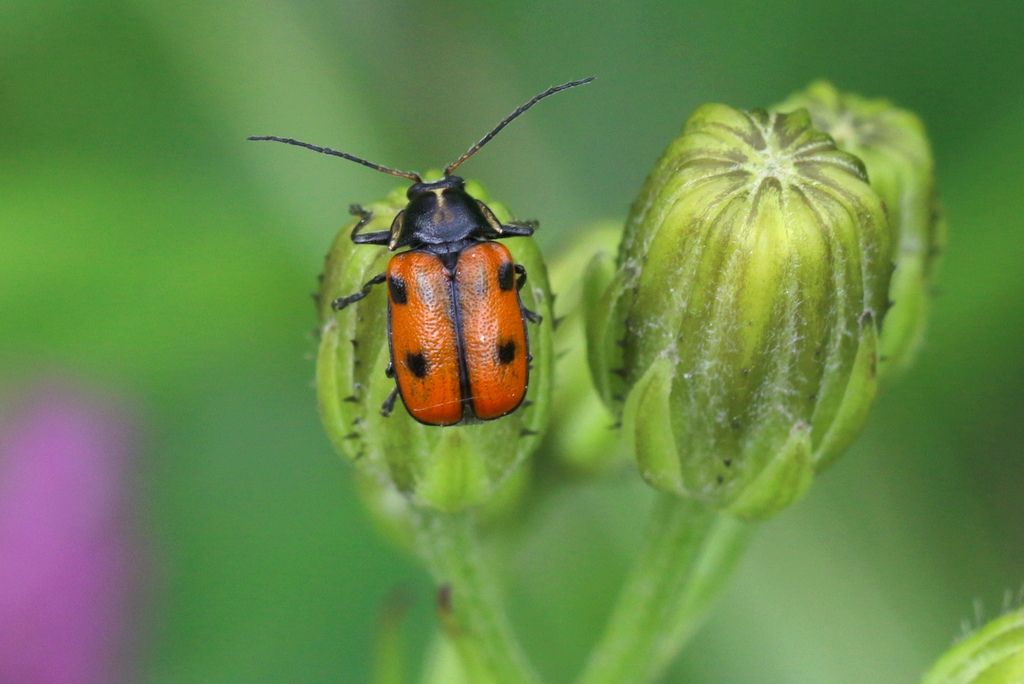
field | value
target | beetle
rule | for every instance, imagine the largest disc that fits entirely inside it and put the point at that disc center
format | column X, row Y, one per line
column 456, row 325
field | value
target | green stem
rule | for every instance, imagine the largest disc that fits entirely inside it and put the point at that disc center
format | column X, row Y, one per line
column 389, row 646
column 442, row 664
column 688, row 554
column 470, row 609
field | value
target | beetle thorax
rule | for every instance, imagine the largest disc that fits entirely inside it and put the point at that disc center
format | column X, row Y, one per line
column 441, row 212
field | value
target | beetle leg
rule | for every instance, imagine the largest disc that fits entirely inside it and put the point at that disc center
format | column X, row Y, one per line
column 379, row 237
column 519, row 228
column 521, row 280
column 390, row 370
column 389, row 403
column 342, row 302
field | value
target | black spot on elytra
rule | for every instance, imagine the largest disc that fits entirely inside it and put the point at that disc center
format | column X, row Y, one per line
column 506, row 352
column 397, row 288
column 417, row 364
column 506, row 276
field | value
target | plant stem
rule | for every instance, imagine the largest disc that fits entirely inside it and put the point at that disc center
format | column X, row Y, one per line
column 469, row 606
column 442, row 664
column 688, row 554
column 389, row 646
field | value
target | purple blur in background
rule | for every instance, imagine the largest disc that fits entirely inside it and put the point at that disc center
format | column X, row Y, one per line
column 66, row 551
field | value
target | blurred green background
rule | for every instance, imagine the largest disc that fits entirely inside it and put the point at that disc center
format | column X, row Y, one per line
column 147, row 248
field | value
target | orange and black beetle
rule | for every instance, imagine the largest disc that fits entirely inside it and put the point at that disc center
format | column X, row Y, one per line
column 456, row 327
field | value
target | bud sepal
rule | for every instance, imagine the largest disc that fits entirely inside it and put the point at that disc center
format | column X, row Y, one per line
column 894, row 147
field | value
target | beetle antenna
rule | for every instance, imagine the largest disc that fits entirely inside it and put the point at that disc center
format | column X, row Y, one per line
column 415, row 177
column 508, row 119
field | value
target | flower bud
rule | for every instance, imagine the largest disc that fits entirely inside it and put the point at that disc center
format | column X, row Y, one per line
column 393, row 514
column 992, row 655
column 443, row 468
column 579, row 437
column 894, row 147
column 736, row 334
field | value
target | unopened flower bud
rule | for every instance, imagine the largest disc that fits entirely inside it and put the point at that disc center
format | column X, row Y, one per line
column 894, row 147
column 992, row 655
column 579, row 436
column 446, row 468
column 736, row 334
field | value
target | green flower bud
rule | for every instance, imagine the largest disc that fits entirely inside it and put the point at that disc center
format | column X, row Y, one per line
column 736, row 334
column 894, row 147
column 442, row 468
column 992, row 655
column 393, row 515
column 579, row 436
